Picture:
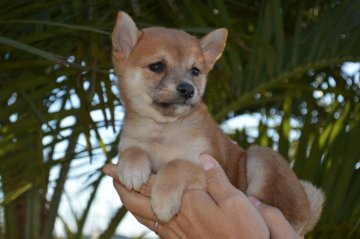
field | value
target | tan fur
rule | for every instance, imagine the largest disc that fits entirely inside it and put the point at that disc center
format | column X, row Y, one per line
column 171, row 181
column 165, row 133
column 271, row 180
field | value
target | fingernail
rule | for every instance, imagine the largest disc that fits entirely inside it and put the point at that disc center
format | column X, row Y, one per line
column 207, row 162
column 106, row 169
column 254, row 201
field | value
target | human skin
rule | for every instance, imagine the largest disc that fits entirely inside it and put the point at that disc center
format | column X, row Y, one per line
column 220, row 212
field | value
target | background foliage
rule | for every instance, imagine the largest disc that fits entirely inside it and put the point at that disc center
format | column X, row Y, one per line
column 283, row 65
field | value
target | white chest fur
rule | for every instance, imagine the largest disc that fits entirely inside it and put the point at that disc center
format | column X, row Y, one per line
column 164, row 142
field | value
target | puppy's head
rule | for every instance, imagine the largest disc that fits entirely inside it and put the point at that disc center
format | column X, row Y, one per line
column 162, row 72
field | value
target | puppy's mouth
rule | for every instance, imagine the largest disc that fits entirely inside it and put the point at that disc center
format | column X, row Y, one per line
column 171, row 104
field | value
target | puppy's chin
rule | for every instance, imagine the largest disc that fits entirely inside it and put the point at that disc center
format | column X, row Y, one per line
column 173, row 109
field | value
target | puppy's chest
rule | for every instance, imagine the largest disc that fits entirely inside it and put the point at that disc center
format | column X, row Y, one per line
column 164, row 144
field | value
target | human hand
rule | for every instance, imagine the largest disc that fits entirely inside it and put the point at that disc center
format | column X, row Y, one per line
column 279, row 227
column 221, row 212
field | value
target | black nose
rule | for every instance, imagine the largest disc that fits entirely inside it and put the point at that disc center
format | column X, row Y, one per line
column 185, row 90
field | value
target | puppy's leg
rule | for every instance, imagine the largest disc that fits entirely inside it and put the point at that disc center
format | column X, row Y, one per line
column 271, row 179
column 171, row 182
column 134, row 167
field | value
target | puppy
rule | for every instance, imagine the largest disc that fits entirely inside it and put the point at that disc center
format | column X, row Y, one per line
column 162, row 76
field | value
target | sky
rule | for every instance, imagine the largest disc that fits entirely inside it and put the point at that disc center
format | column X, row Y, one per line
column 107, row 201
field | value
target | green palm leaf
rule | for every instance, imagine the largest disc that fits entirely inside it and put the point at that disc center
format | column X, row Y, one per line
column 283, row 62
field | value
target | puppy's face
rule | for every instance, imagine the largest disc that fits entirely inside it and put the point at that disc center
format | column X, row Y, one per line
column 162, row 72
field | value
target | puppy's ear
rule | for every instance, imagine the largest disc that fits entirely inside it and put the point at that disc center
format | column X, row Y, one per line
column 124, row 35
column 212, row 45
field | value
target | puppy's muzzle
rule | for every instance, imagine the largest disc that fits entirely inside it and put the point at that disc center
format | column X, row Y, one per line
column 185, row 90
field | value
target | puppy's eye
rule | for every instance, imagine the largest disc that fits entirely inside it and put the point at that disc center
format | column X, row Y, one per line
column 195, row 71
column 157, row 67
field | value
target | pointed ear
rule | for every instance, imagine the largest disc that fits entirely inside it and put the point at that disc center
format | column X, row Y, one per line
column 212, row 45
column 124, row 35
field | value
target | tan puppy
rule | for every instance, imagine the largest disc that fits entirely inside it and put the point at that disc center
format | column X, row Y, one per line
column 162, row 77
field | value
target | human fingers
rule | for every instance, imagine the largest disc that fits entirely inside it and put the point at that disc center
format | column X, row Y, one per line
column 278, row 226
column 147, row 187
column 163, row 230
column 191, row 213
column 218, row 185
column 110, row 170
column 135, row 202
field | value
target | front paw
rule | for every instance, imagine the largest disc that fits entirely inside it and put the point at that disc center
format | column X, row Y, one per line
column 171, row 182
column 166, row 203
column 133, row 171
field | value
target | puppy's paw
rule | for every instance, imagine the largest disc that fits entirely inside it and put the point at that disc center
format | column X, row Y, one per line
column 171, row 182
column 166, row 203
column 133, row 172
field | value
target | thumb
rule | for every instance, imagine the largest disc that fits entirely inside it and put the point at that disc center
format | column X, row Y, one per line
column 218, row 185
